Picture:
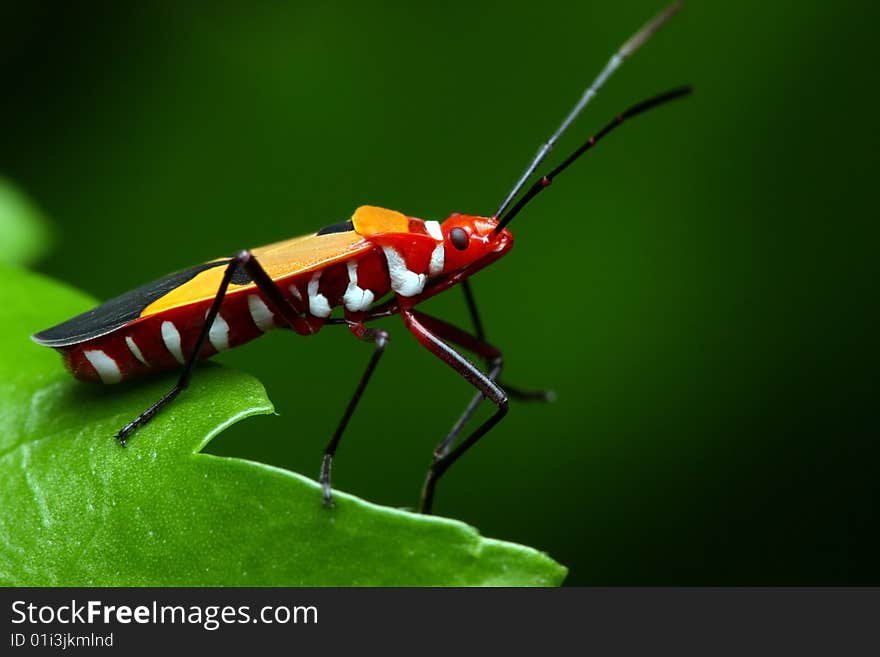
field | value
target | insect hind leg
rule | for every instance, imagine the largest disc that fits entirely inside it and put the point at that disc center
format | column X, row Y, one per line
column 289, row 310
column 183, row 380
column 433, row 334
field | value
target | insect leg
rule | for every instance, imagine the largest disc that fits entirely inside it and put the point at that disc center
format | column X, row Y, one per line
column 292, row 310
column 516, row 393
column 183, row 381
column 279, row 303
column 486, row 386
column 475, row 344
column 380, row 339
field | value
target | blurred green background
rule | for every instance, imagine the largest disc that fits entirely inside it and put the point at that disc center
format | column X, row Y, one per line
column 700, row 291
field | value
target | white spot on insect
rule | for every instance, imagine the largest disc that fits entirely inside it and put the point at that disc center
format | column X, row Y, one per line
column 105, row 366
column 438, row 258
column 171, row 338
column 318, row 304
column 438, row 255
column 356, row 298
column 263, row 318
column 403, row 281
column 433, row 228
column 133, row 348
column 219, row 333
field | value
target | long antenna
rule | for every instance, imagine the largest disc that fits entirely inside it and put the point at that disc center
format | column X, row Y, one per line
column 545, row 181
column 613, row 64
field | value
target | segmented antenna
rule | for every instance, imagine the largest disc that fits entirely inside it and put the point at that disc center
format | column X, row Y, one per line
column 613, row 64
column 545, row 180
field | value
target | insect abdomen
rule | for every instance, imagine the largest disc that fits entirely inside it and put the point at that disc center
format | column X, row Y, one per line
column 163, row 342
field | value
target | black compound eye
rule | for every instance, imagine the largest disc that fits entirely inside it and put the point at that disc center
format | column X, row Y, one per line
column 459, row 238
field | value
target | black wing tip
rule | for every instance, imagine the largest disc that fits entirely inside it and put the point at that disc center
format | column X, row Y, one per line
column 117, row 312
column 60, row 335
column 44, row 338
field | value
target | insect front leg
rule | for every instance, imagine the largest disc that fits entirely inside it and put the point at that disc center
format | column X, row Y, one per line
column 380, row 339
column 476, row 345
column 293, row 315
column 420, row 325
column 495, row 363
column 392, row 307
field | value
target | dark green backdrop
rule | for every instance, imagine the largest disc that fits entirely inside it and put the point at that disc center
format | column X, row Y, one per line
column 700, row 290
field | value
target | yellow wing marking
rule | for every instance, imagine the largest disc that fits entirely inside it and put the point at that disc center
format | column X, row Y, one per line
column 282, row 259
column 369, row 220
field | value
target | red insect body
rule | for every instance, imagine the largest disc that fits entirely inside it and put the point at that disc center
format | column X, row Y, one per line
column 165, row 340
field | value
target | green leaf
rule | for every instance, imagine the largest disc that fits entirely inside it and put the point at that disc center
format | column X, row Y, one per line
column 24, row 235
column 76, row 509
